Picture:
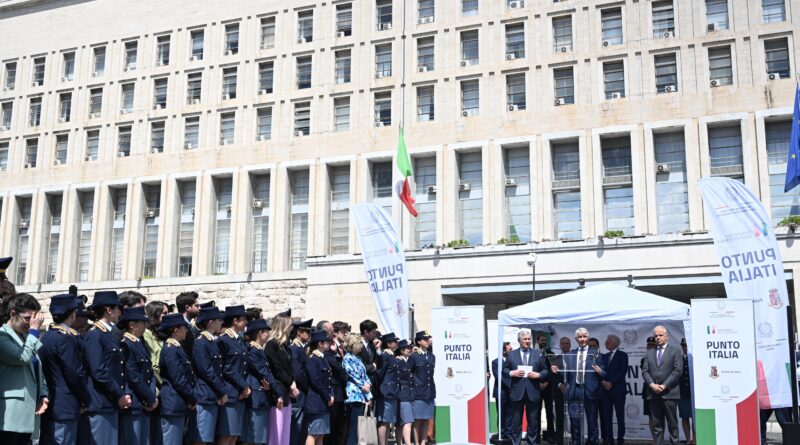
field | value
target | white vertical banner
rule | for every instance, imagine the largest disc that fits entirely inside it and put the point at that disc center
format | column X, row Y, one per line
column 752, row 269
column 385, row 266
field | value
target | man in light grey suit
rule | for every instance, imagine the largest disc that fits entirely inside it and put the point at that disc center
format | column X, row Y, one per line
column 662, row 370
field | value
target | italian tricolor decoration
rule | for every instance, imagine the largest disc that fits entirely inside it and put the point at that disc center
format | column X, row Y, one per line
column 403, row 186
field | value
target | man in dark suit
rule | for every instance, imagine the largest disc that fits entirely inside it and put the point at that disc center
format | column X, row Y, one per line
column 661, row 371
column 581, row 385
column 502, row 402
column 614, row 391
column 526, row 368
column 547, row 390
column 564, row 345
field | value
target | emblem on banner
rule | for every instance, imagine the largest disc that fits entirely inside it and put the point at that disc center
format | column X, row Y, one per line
column 721, row 305
column 632, row 412
column 775, row 301
column 399, row 305
column 450, row 374
column 630, row 336
column 714, row 372
column 765, row 329
column 725, row 389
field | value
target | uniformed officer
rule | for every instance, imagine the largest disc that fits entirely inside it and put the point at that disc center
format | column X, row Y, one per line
column 207, row 362
column 260, row 380
column 422, row 364
column 319, row 398
column 134, row 424
column 388, row 376
column 298, row 348
column 405, row 392
column 105, row 363
column 230, row 421
column 62, row 364
column 177, row 396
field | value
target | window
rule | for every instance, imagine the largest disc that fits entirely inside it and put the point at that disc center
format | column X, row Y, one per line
column 383, row 11
column 778, row 135
column 341, row 113
column 303, row 72
column 198, row 41
column 344, row 19
column 564, row 81
column 614, row 79
column 127, row 97
column 160, row 93
column 383, row 109
column 515, row 41
column 99, row 61
column 663, row 19
column 7, row 112
column 773, row 11
column 517, row 194
column 720, row 68
column 152, row 216
column 562, row 34
column 717, row 14
column 194, row 88
column 305, row 26
column 187, row 193
column 162, row 50
column 227, row 128
column 157, row 137
column 95, row 102
column 260, row 186
column 268, row 32
column 425, row 104
column 265, row 77
column 191, row 133
column 469, row 7
column 223, row 188
column 339, row 233
column 124, row 141
column 68, row 70
column 666, row 73
column 381, row 184
column 426, row 11
column 470, row 48
column 38, row 71
column 515, row 92
column 425, row 181
column 86, row 203
column 470, row 197
column 264, row 123
column 611, row 25
column 298, row 222
column 131, row 54
column 62, row 147
column 4, row 156
column 566, row 187
column 231, row 39
column 617, row 184
column 35, row 112
column 23, row 238
column 11, row 76
column 302, row 118
column 343, row 66
column 725, row 151
column 672, row 193
column 119, row 200
column 229, row 77
column 470, row 98
column 425, row 54
column 776, row 52
column 383, row 60
column 31, row 152
column 92, row 144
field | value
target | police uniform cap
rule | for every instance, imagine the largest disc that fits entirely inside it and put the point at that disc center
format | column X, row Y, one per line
column 133, row 314
column 390, row 337
column 422, row 335
column 651, row 340
column 172, row 321
column 318, row 336
column 208, row 313
column 234, row 311
column 257, row 325
column 105, row 298
column 5, row 262
column 63, row 303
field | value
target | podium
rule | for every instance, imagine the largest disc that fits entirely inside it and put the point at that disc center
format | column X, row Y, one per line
column 573, row 409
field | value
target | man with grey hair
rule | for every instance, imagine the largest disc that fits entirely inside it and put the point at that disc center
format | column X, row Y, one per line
column 526, row 368
column 661, row 371
column 613, row 391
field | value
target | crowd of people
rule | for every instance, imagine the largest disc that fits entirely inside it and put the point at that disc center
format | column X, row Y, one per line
column 126, row 371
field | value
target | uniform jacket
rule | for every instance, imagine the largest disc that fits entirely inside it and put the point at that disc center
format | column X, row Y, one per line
column 668, row 374
column 522, row 387
column 422, row 365
column 188, row 343
column 389, row 376
column 405, row 380
column 179, row 382
column 591, row 381
column 153, row 346
column 207, row 361
column 62, row 363
column 615, row 371
column 105, row 363
column 320, row 382
column 506, row 380
column 686, row 380
column 299, row 360
column 339, row 374
column 139, row 379
column 258, row 370
column 372, row 361
column 22, row 382
column 280, row 363
column 234, row 363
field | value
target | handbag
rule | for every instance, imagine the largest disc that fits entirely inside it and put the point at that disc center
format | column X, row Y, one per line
column 367, row 428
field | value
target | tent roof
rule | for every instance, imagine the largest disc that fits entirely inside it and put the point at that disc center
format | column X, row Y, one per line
column 596, row 304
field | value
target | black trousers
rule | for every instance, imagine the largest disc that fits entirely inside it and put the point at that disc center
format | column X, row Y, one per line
column 12, row 438
column 559, row 409
column 533, row 413
column 547, row 406
column 338, row 425
column 661, row 410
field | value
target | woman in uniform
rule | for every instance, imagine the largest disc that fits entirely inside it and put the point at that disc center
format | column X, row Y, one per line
column 177, row 396
column 388, row 374
column 230, row 422
column 422, row 364
column 405, row 392
column 134, row 424
column 320, row 393
column 207, row 362
column 260, row 379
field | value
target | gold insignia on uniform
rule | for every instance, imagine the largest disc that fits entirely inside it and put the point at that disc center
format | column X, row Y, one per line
column 172, row 342
column 256, row 345
column 229, row 332
column 317, row 353
column 101, row 327
column 207, row 335
column 130, row 337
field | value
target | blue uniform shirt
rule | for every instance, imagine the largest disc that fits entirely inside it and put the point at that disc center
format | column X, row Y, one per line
column 62, row 363
column 138, row 373
column 178, row 380
column 258, row 370
column 320, row 381
column 208, row 368
column 389, row 375
column 422, row 364
column 234, row 363
column 105, row 362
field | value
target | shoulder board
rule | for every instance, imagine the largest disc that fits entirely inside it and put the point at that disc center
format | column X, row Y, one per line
column 256, row 345
column 230, row 333
column 298, row 343
column 207, row 335
column 62, row 329
column 130, row 337
column 317, row 353
column 100, row 327
column 172, row 342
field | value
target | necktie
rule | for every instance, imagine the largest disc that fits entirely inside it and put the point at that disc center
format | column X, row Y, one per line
column 659, row 355
column 525, row 357
column 581, row 365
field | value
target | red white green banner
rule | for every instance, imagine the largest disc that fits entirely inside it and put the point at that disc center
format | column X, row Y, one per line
column 724, row 372
column 460, row 375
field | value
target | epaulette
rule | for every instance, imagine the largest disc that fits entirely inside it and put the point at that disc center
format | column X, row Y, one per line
column 63, row 329
column 256, row 345
column 100, row 327
column 298, row 343
column 229, row 332
column 207, row 335
column 130, row 337
column 172, row 342
column 317, row 353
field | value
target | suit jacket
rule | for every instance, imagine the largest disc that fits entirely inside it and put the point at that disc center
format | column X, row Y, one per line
column 339, row 374
column 615, row 371
column 591, row 381
column 505, row 380
column 372, row 361
column 520, row 387
column 22, row 382
column 668, row 374
column 280, row 363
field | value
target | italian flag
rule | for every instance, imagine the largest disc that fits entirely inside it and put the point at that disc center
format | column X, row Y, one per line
column 403, row 186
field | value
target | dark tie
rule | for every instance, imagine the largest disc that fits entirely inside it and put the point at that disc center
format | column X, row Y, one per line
column 659, row 355
column 525, row 357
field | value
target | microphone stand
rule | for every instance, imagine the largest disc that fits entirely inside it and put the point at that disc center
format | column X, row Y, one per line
column 581, row 410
